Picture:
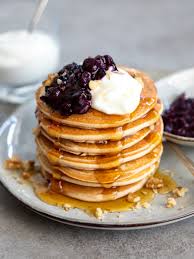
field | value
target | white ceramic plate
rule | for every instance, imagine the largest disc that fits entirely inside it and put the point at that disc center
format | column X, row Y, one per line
column 169, row 88
column 16, row 138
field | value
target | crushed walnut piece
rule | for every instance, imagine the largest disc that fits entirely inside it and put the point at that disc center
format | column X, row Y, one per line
column 171, row 202
column 67, row 207
column 146, row 205
column 155, row 191
column 26, row 175
column 98, row 213
column 154, row 183
column 133, row 198
column 138, row 205
column 28, row 165
column 13, row 163
column 179, row 191
column 16, row 163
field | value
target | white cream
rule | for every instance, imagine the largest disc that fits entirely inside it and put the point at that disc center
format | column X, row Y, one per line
column 116, row 93
column 26, row 57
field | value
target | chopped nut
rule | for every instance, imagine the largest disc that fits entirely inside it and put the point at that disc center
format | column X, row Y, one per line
column 155, row 191
column 67, row 207
column 138, row 205
column 143, row 192
column 154, row 183
column 137, row 199
column 16, row 163
column 171, row 202
column 146, row 205
column 28, row 165
column 132, row 198
column 13, row 163
column 98, row 213
column 26, row 175
column 179, row 191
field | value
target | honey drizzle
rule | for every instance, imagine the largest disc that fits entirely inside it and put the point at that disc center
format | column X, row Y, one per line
column 122, row 204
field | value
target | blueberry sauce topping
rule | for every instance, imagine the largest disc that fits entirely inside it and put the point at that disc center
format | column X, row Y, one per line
column 179, row 118
column 69, row 93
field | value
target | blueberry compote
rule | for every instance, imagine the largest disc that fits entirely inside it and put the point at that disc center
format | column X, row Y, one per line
column 69, row 93
column 179, row 118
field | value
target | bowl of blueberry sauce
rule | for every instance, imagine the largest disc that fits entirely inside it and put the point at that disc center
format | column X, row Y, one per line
column 177, row 93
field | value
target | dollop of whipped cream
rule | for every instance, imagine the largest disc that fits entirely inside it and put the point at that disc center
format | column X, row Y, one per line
column 116, row 93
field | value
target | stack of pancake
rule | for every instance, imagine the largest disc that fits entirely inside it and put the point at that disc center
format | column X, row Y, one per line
column 99, row 157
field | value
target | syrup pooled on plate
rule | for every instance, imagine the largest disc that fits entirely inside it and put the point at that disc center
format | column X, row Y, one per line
column 146, row 196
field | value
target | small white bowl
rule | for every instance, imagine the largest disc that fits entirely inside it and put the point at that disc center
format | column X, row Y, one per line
column 168, row 89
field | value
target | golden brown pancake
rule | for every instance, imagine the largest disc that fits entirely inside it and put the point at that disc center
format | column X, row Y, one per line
column 98, row 162
column 110, row 175
column 91, row 162
column 98, row 148
column 93, row 194
column 97, row 119
column 105, row 147
column 120, row 181
column 84, row 135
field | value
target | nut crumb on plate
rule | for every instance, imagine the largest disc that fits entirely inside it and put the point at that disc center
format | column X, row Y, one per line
column 133, row 198
column 146, row 205
column 143, row 192
column 138, row 205
column 28, row 165
column 98, row 213
column 154, row 183
column 171, row 202
column 179, row 191
column 66, row 207
column 26, row 175
column 15, row 163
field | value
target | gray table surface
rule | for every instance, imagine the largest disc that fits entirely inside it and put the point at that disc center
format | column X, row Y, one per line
column 154, row 35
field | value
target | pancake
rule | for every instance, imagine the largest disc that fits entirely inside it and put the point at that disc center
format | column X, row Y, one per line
column 106, row 147
column 120, row 181
column 98, row 162
column 93, row 194
column 98, row 148
column 98, row 120
column 90, row 162
column 83, row 135
column 110, row 175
